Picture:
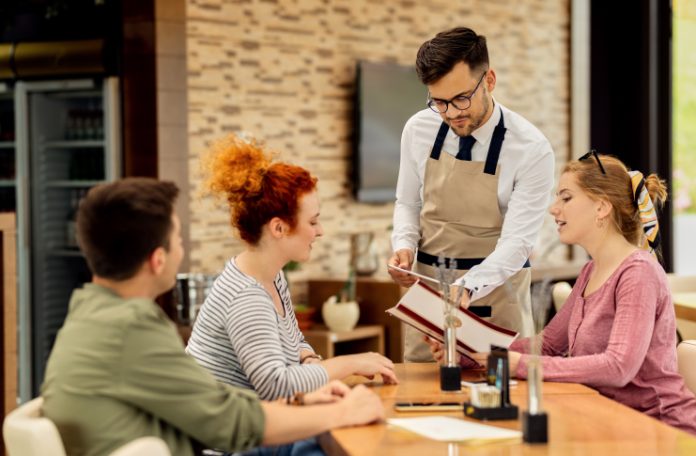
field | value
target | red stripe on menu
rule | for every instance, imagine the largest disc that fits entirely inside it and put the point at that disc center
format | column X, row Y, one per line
column 471, row 314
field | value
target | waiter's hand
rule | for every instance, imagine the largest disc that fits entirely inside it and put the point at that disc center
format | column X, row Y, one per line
column 402, row 258
column 464, row 300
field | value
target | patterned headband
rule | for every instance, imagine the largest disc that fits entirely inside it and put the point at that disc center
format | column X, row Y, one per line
column 646, row 211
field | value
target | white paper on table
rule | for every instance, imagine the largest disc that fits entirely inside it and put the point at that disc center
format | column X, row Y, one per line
column 448, row 429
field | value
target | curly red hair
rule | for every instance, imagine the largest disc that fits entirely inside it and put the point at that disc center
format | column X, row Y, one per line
column 256, row 188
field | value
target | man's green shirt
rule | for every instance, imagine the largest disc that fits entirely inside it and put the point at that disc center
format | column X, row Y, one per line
column 118, row 371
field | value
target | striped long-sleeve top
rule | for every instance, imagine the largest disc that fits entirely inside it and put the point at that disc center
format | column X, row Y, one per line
column 243, row 341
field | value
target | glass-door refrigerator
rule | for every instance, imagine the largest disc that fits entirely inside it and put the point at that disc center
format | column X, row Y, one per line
column 7, row 149
column 67, row 141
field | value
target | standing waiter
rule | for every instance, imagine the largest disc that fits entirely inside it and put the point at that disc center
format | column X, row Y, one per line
column 474, row 184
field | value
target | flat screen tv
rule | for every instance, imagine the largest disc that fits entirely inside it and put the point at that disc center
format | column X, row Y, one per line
column 387, row 95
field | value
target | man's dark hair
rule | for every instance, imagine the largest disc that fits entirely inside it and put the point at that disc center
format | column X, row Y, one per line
column 121, row 223
column 439, row 55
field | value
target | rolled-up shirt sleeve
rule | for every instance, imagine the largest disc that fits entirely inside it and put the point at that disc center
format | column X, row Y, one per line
column 406, row 233
column 528, row 205
column 157, row 376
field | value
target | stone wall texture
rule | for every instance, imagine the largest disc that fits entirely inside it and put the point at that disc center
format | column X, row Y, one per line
column 283, row 71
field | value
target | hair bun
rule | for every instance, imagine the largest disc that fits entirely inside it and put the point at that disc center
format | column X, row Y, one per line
column 657, row 189
column 236, row 168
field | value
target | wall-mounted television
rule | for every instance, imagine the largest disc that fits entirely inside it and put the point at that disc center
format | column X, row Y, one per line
column 387, row 95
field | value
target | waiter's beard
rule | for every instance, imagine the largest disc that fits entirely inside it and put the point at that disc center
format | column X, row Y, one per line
column 475, row 122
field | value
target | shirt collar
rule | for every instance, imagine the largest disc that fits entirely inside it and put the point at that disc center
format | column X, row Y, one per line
column 484, row 133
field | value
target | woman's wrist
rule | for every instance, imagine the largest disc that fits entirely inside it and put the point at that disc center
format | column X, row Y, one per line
column 311, row 358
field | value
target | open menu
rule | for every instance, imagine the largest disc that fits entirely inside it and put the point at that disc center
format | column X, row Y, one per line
column 422, row 308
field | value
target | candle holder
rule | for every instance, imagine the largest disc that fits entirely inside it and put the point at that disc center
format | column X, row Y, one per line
column 450, row 370
column 535, row 420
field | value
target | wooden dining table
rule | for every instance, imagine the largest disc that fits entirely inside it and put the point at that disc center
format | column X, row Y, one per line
column 581, row 422
column 685, row 305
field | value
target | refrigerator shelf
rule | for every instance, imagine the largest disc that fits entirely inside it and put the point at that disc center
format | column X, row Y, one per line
column 66, row 252
column 73, row 183
column 7, row 144
column 73, row 144
column 7, row 182
column 72, row 94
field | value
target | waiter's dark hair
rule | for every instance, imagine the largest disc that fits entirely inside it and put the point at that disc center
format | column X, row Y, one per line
column 437, row 57
column 120, row 224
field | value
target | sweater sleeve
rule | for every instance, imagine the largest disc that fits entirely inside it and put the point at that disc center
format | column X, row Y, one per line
column 635, row 300
column 157, row 376
column 555, row 335
column 252, row 327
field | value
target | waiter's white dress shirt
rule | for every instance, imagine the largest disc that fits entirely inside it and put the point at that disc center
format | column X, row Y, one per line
column 524, row 189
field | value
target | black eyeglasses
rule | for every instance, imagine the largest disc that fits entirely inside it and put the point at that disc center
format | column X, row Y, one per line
column 593, row 153
column 461, row 102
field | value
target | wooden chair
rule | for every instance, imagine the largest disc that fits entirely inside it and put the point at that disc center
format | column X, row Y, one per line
column 686, row 360
column 683, row 284
column 560, row 292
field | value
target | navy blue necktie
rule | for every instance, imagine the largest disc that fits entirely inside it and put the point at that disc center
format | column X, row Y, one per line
column 466, row 143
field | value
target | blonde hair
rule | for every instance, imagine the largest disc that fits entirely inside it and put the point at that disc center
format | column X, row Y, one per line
column 615, row 187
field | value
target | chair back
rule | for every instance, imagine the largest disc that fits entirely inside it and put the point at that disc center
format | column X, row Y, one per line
column 681, row 283
column 560, row 292
column 686, row 360
column 27, row 433
column 144, row 446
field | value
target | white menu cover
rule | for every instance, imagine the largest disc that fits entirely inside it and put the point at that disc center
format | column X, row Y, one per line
column 422, row 308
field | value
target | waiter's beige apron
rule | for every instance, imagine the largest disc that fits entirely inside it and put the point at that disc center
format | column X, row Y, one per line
column 461, row 220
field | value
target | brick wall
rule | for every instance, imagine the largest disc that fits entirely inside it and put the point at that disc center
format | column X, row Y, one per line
column 284, row 70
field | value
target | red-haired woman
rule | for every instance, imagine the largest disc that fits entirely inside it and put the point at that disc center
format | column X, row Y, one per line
column 246, row 333
column 617, row 329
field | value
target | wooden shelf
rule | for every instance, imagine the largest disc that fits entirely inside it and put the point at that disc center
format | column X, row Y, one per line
column 361, row 339
column 73, row 144
column 375, row 296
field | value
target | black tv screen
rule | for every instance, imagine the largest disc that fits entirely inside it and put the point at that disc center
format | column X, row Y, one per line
column 387, row 95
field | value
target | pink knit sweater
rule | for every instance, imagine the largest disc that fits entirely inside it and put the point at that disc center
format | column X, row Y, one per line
column 620, row 340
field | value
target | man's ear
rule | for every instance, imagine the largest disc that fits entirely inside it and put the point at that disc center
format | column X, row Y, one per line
column 491, row 79
column 157, row 261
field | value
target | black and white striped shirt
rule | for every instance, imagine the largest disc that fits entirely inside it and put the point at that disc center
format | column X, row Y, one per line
column 240, row 338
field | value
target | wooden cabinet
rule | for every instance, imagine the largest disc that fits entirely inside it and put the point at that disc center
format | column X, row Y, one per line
column 361, row 339
column 374, row 297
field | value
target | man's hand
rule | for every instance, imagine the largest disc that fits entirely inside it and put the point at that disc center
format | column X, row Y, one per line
column 402, row 258
column 464, row 300
column 331, row 392
column 361, row 406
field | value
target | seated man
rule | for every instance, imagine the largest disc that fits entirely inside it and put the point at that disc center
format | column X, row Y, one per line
column 118, row 370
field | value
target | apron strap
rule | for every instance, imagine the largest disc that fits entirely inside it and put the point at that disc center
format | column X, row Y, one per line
column 439, row 141
column 496, row 144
